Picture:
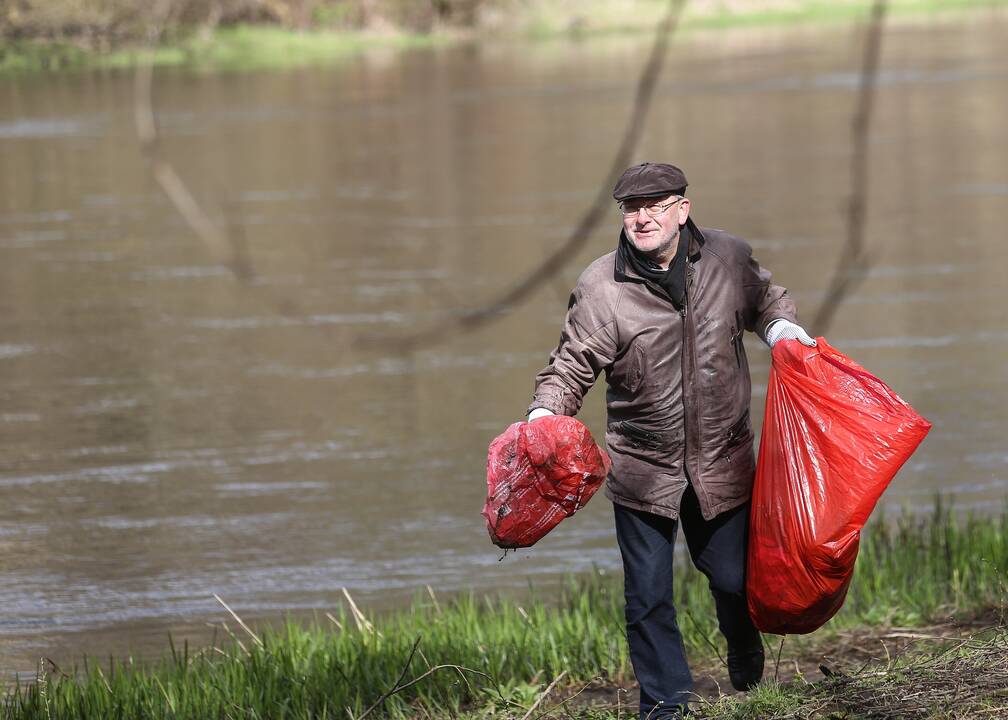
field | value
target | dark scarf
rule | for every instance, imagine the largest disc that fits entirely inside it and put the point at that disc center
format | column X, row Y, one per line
column 673, row 280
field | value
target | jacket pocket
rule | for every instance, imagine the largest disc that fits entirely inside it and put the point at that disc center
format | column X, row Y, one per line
column 635, row 368
column 738, row 438
column 639, row 437
column 738, row 431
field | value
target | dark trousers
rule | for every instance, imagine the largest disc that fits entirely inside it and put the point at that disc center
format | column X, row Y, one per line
column 718, row 550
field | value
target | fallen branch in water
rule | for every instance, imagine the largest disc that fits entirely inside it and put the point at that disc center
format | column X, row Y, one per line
column 854, row 260
column 477, row 318
column 225, row 249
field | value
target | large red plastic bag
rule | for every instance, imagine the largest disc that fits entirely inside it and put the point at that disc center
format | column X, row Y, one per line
column 538, row 473
column 834, row 436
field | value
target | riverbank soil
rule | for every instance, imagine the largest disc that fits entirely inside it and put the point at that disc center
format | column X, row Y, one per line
column 939, row 670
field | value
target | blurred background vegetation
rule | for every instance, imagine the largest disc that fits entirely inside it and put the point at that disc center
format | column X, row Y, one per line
column 110, row 24
column 249, row 34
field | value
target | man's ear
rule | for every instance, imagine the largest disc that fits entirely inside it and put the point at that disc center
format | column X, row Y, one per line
column 684, row 208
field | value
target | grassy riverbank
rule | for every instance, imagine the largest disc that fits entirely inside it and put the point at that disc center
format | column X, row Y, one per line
column 238, row 48
column 70, row 35
column 491, row 658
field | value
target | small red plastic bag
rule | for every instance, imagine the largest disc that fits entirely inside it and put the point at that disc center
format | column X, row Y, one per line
column 834, row 436
column 537, row 474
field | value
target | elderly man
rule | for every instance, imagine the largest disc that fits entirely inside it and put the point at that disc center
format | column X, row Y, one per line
column 662, row 316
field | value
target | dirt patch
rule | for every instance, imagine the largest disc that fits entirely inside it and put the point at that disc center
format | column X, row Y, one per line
column 870, row 672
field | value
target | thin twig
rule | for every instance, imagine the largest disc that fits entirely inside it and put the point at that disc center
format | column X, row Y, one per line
column 916, row 636
column 458, row 668
column 564, row 702
column 543, row 695
column 889, row 660
column 362, row 622
column 433, row 597
column 395, row 686
column 779, row 651
column 221, row 652
column 244, row 627
column 235, row 638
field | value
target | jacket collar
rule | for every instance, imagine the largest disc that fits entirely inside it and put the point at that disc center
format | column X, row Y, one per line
column 625, row 272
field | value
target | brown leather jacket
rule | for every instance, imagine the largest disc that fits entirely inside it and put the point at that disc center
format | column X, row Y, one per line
column 678, row 382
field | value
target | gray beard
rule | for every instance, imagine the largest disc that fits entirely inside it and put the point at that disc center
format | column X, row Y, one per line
column 662, row 255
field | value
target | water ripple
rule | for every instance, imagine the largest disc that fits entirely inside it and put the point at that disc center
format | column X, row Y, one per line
column 245, row 323
column 41, row 128
column 11, row 351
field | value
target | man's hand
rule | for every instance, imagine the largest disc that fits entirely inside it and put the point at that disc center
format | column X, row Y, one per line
column 538, row 413
column 781, row 329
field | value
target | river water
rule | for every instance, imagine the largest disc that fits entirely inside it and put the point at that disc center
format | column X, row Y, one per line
column 168, row 431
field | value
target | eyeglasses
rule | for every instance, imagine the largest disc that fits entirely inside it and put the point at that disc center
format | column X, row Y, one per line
column 653, row 210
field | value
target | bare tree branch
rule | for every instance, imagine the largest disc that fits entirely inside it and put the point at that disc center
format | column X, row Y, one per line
column 479, row 317
column 399, row 686
column 395, row 685
column 854, row 260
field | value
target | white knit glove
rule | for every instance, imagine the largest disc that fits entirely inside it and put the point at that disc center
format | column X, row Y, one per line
column 538, row 413
column 781, row 329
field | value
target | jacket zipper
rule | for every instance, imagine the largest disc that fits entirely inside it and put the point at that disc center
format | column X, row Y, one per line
column 692, row 422
column 687, row 350
column 682, row 372
column 735, row 431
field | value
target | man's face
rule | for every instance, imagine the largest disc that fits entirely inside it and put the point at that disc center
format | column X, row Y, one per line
column 652, row 224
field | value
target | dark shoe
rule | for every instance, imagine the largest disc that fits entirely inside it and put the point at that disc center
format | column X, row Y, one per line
column 675, row 712
column 745, row 668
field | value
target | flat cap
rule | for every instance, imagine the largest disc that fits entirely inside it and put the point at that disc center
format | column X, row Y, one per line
column 649, row 180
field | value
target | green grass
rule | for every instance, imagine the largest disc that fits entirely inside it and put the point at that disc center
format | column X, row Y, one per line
column 910, row 572
column 29, row 56
column 552, row 19
column 254, row 47
column 238, row 48
column 820, row 12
